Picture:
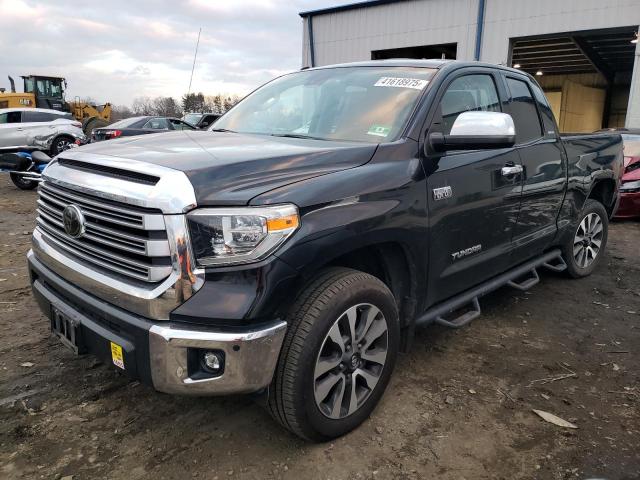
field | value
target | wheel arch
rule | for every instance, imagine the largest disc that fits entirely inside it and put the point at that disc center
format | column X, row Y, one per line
column 604, row 191
column 393, row 264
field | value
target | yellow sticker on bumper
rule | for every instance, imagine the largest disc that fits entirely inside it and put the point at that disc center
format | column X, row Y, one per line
column 116, row 355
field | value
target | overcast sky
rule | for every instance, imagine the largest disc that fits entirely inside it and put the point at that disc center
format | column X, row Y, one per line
column 116, row 50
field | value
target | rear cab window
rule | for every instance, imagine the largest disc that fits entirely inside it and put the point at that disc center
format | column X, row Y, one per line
column 548, row 119
column 524, row 111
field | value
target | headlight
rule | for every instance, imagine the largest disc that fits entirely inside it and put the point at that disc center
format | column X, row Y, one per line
column 223, row 236
column 630, row 186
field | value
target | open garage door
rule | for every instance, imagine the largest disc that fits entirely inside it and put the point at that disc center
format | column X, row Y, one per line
column 444, row 51
column 586, row 75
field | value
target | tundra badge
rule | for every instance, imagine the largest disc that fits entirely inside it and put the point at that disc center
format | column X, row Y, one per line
column 466, row 252
column 442, row 193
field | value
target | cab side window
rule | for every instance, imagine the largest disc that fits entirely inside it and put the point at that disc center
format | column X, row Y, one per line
column 470, row 93
column 524, row 112
column 546, row 113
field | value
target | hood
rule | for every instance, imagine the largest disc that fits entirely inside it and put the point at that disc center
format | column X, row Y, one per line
column 232, row 168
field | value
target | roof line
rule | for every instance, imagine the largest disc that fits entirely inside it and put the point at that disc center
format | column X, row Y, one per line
column 348, row 6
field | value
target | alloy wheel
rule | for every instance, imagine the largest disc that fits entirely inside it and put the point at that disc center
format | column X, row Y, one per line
column 62, row 145
column 350, row 361
column 588, row 240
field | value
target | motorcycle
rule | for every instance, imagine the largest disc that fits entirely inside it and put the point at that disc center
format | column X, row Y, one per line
column 24, row 168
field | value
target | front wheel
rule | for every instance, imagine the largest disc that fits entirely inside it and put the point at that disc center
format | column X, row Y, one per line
column 582, row 251
column 60, row 144
column 337, row 357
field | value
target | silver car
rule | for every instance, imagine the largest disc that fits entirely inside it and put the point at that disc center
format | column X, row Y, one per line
column 51, row 131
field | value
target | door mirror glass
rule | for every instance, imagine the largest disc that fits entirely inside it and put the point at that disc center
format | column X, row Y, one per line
column 476, row 130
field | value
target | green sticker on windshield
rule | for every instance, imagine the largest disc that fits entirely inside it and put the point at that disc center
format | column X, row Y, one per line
column 379, row 130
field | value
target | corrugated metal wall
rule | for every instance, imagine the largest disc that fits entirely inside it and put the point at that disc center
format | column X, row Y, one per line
column 352, row 35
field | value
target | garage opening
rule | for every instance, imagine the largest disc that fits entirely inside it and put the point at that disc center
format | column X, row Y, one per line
column 443, row 51
column 586, row 75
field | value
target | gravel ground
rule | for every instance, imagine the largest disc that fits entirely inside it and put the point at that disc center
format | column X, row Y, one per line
column 458, row 407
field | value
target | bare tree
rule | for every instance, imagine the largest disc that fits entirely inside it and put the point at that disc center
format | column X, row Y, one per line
column 143, row 106
column 118, row 112
column 166, row 107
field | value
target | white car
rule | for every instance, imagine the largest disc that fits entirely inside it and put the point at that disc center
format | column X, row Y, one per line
column 38, row 129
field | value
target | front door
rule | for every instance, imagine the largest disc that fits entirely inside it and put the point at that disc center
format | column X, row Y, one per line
column 12, row 133
column 473, row 207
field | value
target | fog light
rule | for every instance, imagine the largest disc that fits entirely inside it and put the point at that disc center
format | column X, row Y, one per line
column 212, row 361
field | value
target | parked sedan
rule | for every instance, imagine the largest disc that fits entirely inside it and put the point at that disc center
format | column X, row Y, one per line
column 31, row 129
column 139, row 126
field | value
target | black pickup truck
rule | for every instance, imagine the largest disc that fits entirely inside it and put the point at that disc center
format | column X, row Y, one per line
column 291, row 250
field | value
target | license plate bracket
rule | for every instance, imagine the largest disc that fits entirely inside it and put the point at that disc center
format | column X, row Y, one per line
column 67, row 330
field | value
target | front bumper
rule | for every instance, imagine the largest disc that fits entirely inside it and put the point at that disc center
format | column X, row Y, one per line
column 160, row 353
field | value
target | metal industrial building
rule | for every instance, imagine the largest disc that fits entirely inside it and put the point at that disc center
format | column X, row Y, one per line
column 585, row 53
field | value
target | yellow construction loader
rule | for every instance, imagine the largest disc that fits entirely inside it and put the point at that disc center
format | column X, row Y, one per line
column 48, row 92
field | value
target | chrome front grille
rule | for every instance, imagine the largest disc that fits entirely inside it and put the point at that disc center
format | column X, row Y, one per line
column 119, row 238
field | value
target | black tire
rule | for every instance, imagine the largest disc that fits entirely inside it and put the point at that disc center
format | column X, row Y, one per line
column 60, row 144
column 22, row 183
column 317, row 309
column 577, row 267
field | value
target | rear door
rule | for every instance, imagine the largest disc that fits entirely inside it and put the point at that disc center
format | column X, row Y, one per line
column 544, row 164
column 12, row 134
column 473, row 208
column 37, row 125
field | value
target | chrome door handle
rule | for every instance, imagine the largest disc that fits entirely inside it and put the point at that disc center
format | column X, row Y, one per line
column 511, row 170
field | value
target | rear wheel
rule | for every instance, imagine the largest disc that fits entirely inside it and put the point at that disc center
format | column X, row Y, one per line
column 22, row 183
column 583, row 251
column 337, row 357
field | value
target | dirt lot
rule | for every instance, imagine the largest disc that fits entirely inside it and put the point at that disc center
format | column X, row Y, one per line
column 459, row 405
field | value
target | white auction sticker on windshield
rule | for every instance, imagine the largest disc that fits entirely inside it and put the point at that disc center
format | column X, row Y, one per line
column 415, row 83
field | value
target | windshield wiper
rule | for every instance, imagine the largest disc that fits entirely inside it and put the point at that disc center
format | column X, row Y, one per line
column 221, row 130
column 296, row 135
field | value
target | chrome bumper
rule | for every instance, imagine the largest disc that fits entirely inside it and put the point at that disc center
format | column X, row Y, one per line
column 250, row 359
column 250, row 356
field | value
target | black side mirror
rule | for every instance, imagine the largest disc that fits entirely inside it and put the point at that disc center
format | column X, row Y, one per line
column 476, row 131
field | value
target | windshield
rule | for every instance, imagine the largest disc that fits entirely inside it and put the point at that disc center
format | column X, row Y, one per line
column 367, row 104
column 192, row 118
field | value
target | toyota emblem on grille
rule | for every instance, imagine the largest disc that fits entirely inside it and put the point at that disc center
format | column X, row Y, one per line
column 73, row 221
